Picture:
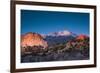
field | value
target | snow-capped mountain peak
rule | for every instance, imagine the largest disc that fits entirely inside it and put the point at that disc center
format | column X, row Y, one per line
column 64, row 33
column 61, row 33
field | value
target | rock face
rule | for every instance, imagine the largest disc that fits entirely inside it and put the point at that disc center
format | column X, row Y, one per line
column 81, row 37
column 33, row 39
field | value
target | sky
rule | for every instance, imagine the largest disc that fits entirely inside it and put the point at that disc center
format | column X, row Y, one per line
column 45, row 22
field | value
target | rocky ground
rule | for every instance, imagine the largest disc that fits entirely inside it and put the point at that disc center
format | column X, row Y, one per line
column 54, row 56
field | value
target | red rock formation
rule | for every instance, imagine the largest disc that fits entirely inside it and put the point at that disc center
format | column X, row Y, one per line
column 81, row 37
column 33, row 39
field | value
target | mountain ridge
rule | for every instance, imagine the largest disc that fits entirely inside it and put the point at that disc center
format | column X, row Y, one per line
column 35, row 39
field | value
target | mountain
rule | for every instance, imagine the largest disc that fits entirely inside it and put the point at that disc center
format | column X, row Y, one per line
column 33, row 39
column 81, row 37
column 59, row 37
column 62, row 33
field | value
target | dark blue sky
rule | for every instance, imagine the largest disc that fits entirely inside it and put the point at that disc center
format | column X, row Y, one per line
column 45, row 22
